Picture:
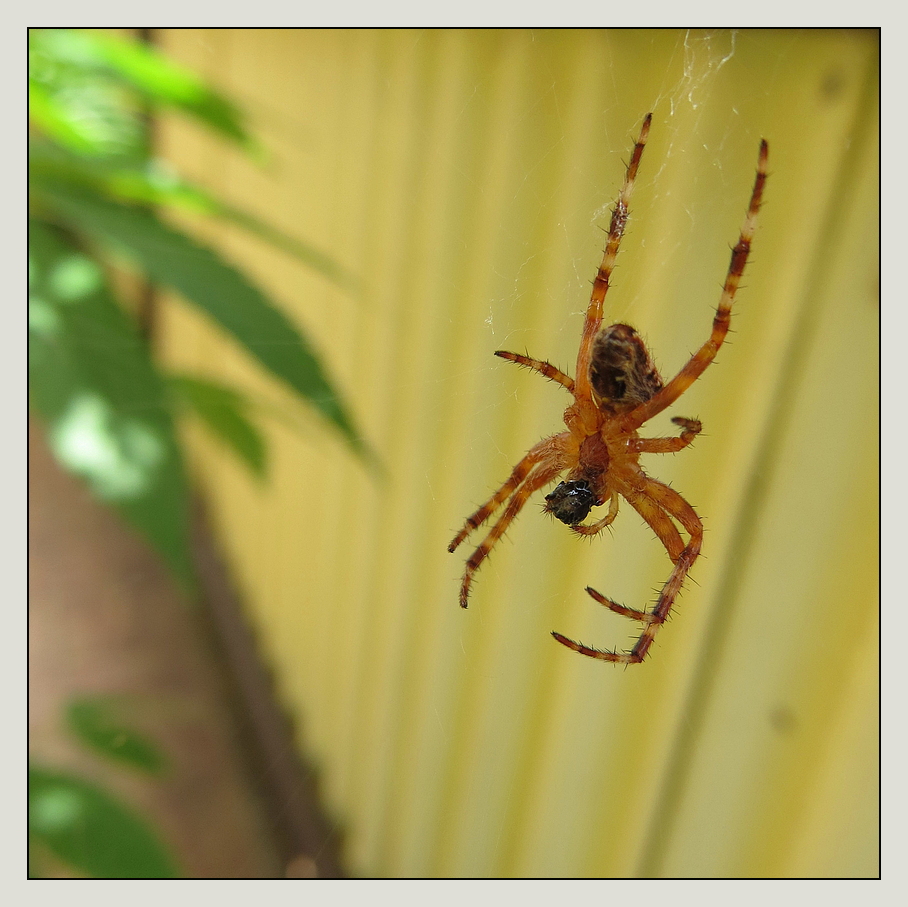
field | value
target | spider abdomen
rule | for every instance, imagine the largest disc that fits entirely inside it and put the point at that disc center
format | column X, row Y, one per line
column 622, row 372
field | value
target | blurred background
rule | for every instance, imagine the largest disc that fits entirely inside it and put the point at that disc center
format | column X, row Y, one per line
column 319, row 239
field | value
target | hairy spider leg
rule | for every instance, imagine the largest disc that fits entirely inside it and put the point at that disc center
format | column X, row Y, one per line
column 607, row 520
column 593, row 322
column 475, row 520
column 550, row 448
column 619, row 473
column 674, row 505
column 667, row 533
column 690, row 428
column 643, row 616
column 698, row 363
column 542, row 474
column 660, row 522
column 539, row 365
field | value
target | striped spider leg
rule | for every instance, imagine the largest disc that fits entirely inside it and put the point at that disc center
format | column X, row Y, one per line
column 617, row 390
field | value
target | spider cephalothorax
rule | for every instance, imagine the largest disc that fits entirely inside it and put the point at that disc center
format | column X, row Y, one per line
column 616, row 391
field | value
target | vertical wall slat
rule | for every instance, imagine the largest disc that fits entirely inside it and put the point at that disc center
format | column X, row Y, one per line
column 463, row 176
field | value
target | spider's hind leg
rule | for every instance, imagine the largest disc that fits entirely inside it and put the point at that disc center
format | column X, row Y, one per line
column 690, row 428
column 698, row 363
column 546, row 369
column 620, row 213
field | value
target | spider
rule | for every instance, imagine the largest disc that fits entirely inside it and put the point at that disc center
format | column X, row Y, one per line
column 616, row 391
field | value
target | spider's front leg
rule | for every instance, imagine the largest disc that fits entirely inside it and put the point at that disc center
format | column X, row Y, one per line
column 607, row 520
column 655, row 502
column 541, row 465
column 520, row 472
column 544, row 473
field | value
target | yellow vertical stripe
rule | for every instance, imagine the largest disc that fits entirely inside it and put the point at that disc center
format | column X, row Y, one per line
column 464, row 176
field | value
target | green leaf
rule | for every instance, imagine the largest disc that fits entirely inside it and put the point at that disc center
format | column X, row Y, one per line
column 221, row 408
column 106, row 406
column 79, row 103
column 309, row 255
column 96, row 722
column 62, row 56
column 171, row 258
column 92, row 830
column 56, row 121
column 162, row 81
column 153, row 183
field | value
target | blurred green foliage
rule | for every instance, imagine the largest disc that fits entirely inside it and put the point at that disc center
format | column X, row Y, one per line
column 78, row 827
column 95, row 193
column 102, row 724
column 87, row 828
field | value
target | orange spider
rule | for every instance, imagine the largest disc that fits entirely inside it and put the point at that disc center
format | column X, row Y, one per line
column 617, row 390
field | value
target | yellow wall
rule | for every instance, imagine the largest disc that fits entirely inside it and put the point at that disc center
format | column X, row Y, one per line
column 464, row 177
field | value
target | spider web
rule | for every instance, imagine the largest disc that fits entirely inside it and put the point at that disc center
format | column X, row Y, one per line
column 556, row 132
column 684, row 216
